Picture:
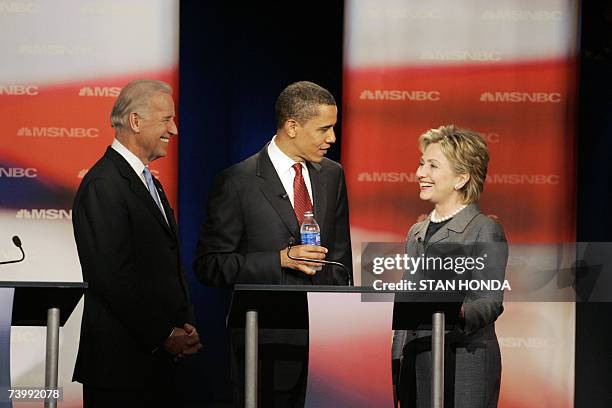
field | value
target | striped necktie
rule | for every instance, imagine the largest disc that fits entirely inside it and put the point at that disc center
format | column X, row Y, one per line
column 153, row 190
column 301, row 199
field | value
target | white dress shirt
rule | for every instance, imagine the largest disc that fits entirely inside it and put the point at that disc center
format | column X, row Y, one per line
column 283, row 165
column 131, row 158
column 135, row 164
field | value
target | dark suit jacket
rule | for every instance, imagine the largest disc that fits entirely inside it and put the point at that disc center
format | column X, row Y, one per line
column 476, row 366
column 137, row 290
column 250, row 219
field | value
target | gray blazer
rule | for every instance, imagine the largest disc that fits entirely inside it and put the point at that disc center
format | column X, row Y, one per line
column 481, row 235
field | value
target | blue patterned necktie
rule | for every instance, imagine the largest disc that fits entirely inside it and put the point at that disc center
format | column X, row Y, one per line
column 153, row 190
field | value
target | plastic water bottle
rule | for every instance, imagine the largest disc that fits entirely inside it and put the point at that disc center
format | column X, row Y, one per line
column 311, row 233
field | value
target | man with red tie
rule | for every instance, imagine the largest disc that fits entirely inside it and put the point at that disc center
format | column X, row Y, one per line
column 255, row 209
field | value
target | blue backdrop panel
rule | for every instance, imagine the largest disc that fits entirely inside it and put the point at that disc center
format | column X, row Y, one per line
column 234, row 61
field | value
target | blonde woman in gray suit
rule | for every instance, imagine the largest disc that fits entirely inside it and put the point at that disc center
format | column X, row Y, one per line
column 451, row 176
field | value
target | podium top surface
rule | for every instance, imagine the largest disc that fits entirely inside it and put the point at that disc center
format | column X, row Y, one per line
column 31, row 300
column 309, row 288
column 294, row 315
column 38, row 284
column 266, row 299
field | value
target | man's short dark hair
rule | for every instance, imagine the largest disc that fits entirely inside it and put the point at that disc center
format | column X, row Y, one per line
column 300, row 101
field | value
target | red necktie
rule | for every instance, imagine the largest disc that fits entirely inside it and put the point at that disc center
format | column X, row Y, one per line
column 301, row 199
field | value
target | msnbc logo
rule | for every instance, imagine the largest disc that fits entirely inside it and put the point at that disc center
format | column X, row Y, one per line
column 460, row 55
column 386, row 177
column 399, row 95
column 404, row 13
column 18, row 172
column 517, row 97
column 18, row 90
column 44, row 214
column 105, row 91
column 538, row 179
column 527, row 342
column 18, row 7
column 55, row 50
column 521, row 15
column 58, row 132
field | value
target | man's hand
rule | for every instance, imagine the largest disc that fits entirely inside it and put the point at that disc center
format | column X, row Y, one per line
column 195, row 344
column 303, row 251
column 183, row 341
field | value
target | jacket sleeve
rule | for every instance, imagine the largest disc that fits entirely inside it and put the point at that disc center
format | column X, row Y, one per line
column 342, row 243
column 400, row 336
column 483, row 307
column 104, row 240
column 186, row 313
column 219, row 260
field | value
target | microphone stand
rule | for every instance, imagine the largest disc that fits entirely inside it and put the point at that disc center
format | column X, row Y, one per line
column 17, row 243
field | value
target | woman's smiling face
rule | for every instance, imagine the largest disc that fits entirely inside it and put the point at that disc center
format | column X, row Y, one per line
column 437, row 180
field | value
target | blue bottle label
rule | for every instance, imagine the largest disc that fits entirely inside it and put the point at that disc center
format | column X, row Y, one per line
column 311, row 238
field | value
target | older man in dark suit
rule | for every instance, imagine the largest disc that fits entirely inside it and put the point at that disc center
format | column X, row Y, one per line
column 137, row 320
column 255, row 208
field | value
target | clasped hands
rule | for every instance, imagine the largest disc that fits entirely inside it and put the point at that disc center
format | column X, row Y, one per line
column 303, row 251
column 183, row 342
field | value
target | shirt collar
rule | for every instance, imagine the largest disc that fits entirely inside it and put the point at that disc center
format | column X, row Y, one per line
column 130, row 157
column 281, row 162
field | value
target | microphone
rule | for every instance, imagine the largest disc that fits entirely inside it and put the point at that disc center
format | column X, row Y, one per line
column 292, row 242
column 17, row 243
column 284, row 196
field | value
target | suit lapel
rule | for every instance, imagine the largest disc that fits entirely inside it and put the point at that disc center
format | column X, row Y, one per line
column 419, row 237
column 457, row 224
column 419, row 234
column 167, row 208
column 138, row 187
column 318, row 183
column 439, row 235
column 275, row 193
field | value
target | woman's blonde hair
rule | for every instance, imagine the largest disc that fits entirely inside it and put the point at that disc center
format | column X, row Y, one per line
column 467, row 152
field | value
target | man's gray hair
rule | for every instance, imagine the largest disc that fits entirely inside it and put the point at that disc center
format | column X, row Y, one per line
column 135, row 97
